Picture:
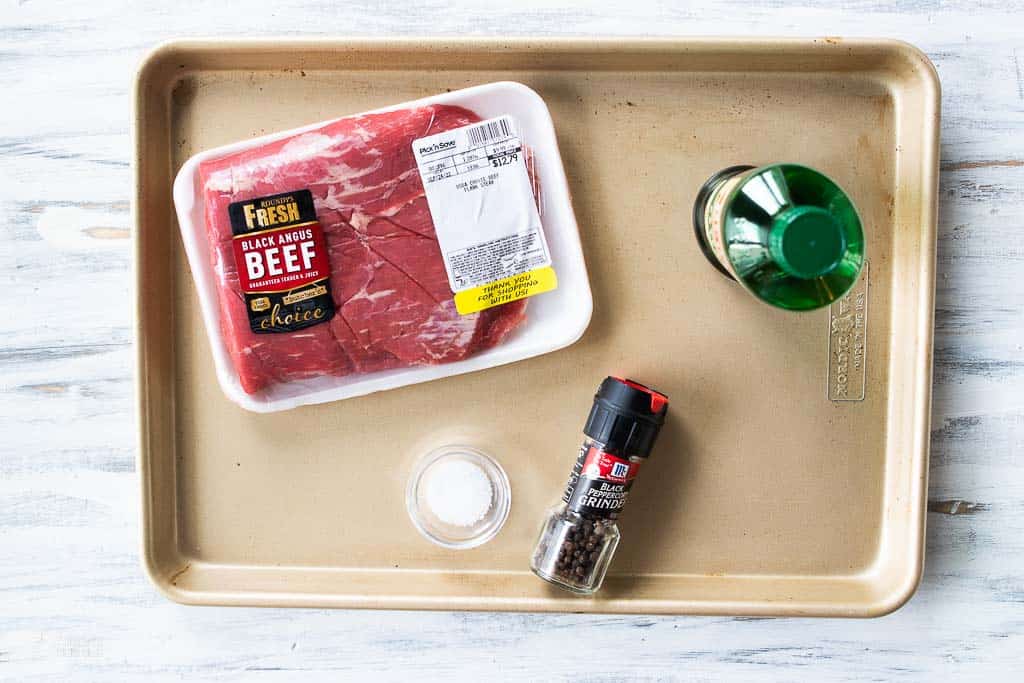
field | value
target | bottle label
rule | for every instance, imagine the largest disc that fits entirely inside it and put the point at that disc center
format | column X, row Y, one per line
column 282, row 264
column 714, row 220
column 599, row 482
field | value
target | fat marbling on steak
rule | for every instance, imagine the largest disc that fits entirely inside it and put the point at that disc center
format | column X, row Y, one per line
column 391, row 294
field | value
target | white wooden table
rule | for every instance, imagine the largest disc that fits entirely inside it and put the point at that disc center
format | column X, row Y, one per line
column 74, row 603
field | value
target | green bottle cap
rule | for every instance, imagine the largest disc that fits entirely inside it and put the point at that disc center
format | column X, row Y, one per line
column 806, row 241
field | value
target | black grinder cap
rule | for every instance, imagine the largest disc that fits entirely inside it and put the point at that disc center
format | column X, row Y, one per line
column 626, row 416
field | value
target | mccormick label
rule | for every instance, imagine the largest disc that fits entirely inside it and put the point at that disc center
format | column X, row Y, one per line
column 599, row 482
column 282, row 263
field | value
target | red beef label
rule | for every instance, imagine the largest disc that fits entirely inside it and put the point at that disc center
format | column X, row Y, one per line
column 281, row 258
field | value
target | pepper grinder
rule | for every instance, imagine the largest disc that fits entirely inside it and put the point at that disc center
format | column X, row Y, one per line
column 580, row 533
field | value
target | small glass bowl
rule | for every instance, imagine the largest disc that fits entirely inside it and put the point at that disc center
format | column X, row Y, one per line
column 451, row 535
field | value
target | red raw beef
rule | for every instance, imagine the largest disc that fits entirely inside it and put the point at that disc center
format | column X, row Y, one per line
column 393, row 304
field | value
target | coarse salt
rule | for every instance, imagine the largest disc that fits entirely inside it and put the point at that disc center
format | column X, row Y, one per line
column 458, row 492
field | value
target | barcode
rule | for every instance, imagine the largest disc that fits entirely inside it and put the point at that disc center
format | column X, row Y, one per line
column 492, row 130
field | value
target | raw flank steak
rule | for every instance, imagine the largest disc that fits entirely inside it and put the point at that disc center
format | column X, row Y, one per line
column 391, row 294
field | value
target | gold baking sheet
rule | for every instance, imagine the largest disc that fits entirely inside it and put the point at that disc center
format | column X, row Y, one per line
column 764, row 495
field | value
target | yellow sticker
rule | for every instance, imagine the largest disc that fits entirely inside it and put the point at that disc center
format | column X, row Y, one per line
column 503, row 291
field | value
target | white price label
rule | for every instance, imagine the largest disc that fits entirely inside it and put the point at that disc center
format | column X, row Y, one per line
column 482, row 204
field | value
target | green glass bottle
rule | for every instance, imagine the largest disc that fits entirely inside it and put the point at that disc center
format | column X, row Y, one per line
column 787, row 233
